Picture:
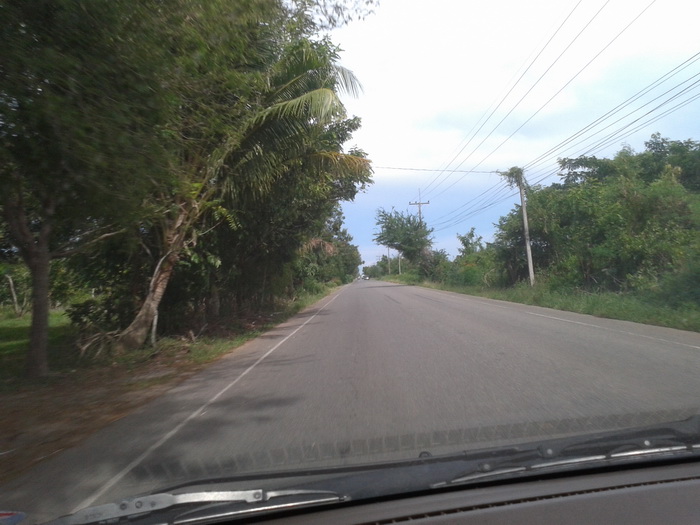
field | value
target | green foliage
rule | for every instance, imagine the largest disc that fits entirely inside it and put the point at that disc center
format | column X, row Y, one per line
column 411, row 277
column 680, row 287
column 617, row 232
column 15, row 277
column 619, row 238
column 207, row 137
column 403, row 232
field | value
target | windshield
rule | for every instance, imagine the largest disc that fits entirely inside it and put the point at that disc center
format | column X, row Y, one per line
column 255, row 239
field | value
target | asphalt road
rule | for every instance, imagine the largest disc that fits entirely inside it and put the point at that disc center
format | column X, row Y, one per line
column 380, row 371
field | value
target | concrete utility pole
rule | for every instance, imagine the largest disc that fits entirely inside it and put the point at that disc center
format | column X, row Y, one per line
column 419, row 204
column 515, row 177
column 526, row 228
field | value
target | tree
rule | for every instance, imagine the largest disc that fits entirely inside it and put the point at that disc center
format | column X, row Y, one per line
column 620, row 232
column 660, row 152
column 403, row 232
column 270, row 131
column 581, row 169
column 191, row 117
column 471, row 243
column 77, row 120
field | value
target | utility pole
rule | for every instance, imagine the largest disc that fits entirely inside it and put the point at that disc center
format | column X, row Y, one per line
column 514, row 176
column 419, row 204
column 388, row 259
column 526, row 228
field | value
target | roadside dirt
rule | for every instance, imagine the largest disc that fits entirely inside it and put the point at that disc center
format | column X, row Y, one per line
column 41, row 420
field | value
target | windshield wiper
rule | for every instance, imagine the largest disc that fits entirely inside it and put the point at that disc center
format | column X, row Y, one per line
column 144, row 505
column 677, row 439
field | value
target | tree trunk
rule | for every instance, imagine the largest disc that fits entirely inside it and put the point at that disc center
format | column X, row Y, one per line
column 37, row 364
column 15, row 302
column 135, row 335
column 214, row 303
column 35, row 252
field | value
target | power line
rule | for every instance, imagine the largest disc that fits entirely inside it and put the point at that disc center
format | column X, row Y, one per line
column 564, row 86
column 527, row 93
column 540, row 159
column 424, row 169
column 461, row 217
column 673, row 72
column 612, row 137
column 503, row 99
column 604, row 142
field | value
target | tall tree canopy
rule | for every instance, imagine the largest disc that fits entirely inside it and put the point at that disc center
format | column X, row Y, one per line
column 160, row 124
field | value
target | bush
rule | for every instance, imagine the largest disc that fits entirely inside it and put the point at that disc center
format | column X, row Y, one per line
column 411, row 277
column 683, row 286
column 312, row 286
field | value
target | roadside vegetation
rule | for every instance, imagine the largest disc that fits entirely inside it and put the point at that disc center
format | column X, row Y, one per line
column 177, row 353
column 175, row 182
column 617, row 238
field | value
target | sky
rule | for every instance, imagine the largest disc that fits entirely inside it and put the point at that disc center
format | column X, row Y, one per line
column 456, row 90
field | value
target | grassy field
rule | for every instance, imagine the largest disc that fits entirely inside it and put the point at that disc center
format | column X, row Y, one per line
column 627, row 307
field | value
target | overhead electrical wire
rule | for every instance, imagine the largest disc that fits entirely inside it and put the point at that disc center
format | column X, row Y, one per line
column 501, row 192
column 421, row 169
column 673, row 72
column 503, row 99
column 462, row 215
column 602, row 143
column 539, row 79
column 613, row 137
column 443, row 218
column 563, row 87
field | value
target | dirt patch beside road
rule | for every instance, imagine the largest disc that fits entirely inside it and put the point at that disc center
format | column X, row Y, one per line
column 41, row 420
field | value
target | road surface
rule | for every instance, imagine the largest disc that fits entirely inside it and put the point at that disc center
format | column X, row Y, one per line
column 380, row 371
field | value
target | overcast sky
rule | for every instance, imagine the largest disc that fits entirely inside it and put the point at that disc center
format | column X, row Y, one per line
column 480, row 86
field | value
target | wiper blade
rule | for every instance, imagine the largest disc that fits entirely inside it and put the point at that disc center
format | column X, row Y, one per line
column 681, row 438
column 142, row 505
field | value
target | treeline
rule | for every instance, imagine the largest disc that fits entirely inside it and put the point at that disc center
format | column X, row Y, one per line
column 171, row 164
column 626, row 224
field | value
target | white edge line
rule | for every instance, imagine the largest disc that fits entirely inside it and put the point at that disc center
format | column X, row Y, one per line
column 591, row 325
column 118, row 477
column 615, row 330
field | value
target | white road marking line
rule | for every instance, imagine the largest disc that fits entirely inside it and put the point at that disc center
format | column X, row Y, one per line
column 614, row 330
column 658, row 339
column 118, row 477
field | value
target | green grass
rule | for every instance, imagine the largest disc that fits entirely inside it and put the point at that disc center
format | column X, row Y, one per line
column 178, row 352
column 644, row 309
column 14, row 340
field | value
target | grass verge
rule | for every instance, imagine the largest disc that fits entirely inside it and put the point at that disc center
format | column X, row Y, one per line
column 626, row 307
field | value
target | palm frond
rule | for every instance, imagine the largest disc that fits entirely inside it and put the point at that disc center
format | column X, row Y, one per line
column 320, row 104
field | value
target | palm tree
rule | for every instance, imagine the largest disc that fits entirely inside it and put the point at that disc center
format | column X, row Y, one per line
column 279, row 134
